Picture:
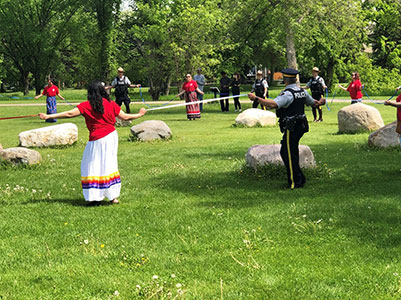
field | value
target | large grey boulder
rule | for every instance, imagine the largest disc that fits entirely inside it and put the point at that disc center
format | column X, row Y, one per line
column 151, row 130
column 256, row 117
column 359, row 118
column 20, row 155
column 121, row 123
column 263, row 155
column 55, row 135
column 385, row 137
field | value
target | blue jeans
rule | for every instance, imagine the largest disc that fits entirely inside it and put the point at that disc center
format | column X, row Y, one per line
column 200, row 98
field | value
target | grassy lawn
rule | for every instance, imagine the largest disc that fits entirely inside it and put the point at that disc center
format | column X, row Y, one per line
column 195, row 217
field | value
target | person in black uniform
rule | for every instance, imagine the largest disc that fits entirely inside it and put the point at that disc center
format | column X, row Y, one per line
column 235, row 90
column 224, row 91
column 317, row 87
column 121, row 84
column 289, row 107
column 260, row 88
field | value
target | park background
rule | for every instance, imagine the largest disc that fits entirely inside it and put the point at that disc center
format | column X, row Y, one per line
column 194, row 222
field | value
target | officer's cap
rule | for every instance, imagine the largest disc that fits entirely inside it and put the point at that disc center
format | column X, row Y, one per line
column 120, row 70
column 316, row 69
column 290, row 73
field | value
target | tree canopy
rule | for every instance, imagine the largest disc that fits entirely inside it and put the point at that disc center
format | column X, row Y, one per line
column 158, row 42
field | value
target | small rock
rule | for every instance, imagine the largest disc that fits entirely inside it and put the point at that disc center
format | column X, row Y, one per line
column 359, row 118
column 385, row 137
column 121, row 123
column 151, row 130
column 262, row 155
column 56, row 135
column 20, row 155
column 256, row 117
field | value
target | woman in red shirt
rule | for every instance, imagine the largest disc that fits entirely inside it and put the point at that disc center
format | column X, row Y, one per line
column 51, row 91
column 100, row 177
column 189, row 88
column 354, row 88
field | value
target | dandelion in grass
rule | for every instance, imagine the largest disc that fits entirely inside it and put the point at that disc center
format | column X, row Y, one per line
column 173, row 276
column 116, row 293
column 102, row 246
column 178, row 285
column 86, row 242
column 66, row 223
column 155, row 277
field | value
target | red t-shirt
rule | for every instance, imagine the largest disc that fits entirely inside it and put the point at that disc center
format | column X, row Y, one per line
column 99, row 125
column 354, row 89
column 190, row 86
column 50, row 91
column 398, row 108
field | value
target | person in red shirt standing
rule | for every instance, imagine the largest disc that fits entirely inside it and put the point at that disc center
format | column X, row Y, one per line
column 51, row 91
column 189, row 89
column 354, row 88
column 100, row 177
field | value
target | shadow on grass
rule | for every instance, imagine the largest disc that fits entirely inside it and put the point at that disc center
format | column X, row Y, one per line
column 72, row 202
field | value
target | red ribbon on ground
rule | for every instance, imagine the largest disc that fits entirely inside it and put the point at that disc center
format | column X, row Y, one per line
column 19, row 117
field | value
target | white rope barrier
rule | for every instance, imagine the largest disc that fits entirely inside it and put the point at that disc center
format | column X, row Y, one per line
column 195, row 102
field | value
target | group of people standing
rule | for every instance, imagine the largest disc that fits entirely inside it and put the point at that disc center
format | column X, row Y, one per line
column 100, row 176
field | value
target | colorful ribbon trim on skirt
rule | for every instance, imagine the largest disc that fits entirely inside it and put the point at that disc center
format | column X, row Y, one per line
column 100, row 182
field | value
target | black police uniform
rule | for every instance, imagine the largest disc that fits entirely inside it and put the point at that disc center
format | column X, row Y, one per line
column 121, row 93
column 259, row 92
column 316, row 88
column 293, row 125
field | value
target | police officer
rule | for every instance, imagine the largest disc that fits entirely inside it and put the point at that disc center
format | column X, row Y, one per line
column 317, row 87
column 260, row 87
column 121, row 84
column 289, row 107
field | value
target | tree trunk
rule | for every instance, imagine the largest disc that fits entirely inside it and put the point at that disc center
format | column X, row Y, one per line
column 291, row 52
column 38, row 84
column 330, row 73
column 26, row 84
column 154, row 90
column 168, row 85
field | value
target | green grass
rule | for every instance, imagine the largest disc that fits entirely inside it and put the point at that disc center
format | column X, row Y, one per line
column 190, row 208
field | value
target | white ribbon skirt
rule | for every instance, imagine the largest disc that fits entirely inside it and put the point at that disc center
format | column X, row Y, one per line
column 100, row 177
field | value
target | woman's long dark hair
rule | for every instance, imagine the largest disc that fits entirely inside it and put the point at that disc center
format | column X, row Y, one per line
column 96, row 93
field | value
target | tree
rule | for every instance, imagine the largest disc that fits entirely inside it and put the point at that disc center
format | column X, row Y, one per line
column 32, row 35
column 165, row 39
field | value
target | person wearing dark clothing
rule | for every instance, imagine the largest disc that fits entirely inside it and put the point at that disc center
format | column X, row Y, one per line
column 224, row 91
column 289, row 107
column 317, row 87
column 121, row 84
column 235, row 90
column 260, row 88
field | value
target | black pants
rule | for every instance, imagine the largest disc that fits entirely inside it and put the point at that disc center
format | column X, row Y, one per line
column 290, row 154
column 314, row 109
column 237, row 104
column 224, row 106
column 126, row 101
column 256, row 103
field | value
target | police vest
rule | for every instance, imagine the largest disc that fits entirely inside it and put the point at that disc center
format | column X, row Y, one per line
column 316, row 88
column 259, row 87
column 121, row 88
column 296, row 108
